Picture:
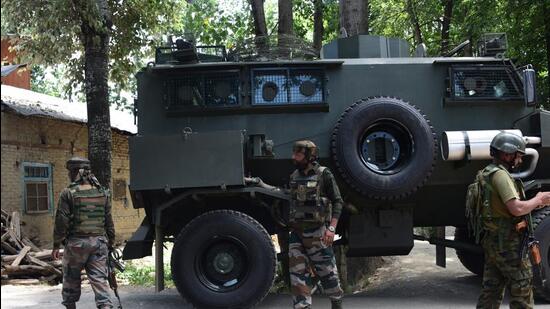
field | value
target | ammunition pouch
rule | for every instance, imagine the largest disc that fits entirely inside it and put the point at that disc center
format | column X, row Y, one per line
column 307, row 205
column 88, row 211
column 318, row 213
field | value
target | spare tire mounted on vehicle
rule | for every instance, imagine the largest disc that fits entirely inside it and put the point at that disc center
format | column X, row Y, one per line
column 384, row 147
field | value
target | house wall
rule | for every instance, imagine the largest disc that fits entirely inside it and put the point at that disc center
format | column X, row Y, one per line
column 44, row 140
column 21, row 77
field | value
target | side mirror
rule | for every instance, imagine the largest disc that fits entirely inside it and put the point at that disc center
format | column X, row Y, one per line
column 529, row 86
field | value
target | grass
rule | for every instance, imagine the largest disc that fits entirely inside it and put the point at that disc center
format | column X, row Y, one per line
column 144, row 275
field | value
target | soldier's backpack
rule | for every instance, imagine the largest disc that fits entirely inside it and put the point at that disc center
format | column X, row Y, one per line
column 478, row 198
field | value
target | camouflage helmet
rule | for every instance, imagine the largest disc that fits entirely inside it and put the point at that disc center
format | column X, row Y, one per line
column 308, row 147
column 78, row 163
column 508, row 143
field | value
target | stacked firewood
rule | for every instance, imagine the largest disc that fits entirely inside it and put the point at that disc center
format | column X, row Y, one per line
column 22, row 261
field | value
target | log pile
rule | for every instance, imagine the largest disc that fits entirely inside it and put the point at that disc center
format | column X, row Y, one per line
column 22, row 261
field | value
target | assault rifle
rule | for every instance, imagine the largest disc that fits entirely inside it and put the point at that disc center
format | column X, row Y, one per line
column 530, row 244
column 114, row 263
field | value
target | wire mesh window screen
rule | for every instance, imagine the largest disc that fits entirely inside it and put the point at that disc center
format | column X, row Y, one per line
column 204, row 90
column 222, row 89
column 270, row 86
column 186, row 91
column 287, row 86
column 306, row 86
column 485, row 83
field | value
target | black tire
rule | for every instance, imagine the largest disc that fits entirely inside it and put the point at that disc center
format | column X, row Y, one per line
column 541, row 225
column 384, row 147
column 474, row 262
column 223, row 259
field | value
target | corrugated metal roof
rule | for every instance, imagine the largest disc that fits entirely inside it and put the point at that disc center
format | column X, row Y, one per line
column 8, row 69
column 30, row 103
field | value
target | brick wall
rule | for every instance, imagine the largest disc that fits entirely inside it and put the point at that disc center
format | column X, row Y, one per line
column 43, row 140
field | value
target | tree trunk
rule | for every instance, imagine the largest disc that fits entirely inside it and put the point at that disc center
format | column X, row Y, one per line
column 258, row 14
column 286, row 23
column 285, row 17
column 354, row 17
column 96, row 71
column 411, row 10
column 318, row 30
column 445, row 26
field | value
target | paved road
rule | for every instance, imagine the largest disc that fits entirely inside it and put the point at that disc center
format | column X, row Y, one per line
column 412, row 281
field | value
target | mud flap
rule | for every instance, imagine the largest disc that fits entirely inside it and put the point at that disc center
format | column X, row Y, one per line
column 141, row 243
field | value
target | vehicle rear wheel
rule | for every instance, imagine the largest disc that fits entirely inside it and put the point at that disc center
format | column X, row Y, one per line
column 541, row 225
column 223, row 259
column 384, row 147
column 473, row 262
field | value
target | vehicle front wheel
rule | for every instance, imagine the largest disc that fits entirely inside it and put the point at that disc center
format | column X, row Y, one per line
column 223, row 259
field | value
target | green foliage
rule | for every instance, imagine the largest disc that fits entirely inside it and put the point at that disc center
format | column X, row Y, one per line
column 144, row 275
column 211, row 24
column 522, row 20
column 50, row 33
column 48, row 81
column 331, row 21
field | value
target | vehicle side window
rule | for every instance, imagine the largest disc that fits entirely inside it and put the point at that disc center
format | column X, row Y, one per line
column 213, row 89
column 479, row 82
column 287, row 86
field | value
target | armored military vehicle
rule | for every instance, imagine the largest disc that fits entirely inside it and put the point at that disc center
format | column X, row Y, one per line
column 403, row 135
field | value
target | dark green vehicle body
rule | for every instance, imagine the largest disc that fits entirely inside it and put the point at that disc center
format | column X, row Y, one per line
column 207, row 149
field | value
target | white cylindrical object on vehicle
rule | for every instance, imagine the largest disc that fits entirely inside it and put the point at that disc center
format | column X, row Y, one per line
column 532, row 140
column 455, row 144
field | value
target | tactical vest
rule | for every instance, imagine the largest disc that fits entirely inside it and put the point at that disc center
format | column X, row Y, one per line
column 495, row 223
column 308, row 205
column 88, row 210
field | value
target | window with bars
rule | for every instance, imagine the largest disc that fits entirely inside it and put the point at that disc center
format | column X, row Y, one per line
column 285, row 86
column 485, row 82
column 37, row 187
column 199, row 90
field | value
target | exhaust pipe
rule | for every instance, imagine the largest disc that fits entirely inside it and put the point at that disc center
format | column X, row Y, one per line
column 475, row 145
column 470, row 145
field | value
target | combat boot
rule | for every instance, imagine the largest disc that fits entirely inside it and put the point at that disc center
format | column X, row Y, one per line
column 70, row 306
column 336, row 303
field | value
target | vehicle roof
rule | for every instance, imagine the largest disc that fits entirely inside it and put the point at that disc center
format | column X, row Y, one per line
column 335, row 62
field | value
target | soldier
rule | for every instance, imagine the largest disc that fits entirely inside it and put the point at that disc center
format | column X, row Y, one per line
column 315, row 208
column 83, row 223
column 503, row 264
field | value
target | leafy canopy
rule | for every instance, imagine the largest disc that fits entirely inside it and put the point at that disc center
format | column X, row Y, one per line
column 49, row 34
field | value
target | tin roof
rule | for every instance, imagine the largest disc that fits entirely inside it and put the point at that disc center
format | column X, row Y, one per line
column 8, row 69
column 29, row 103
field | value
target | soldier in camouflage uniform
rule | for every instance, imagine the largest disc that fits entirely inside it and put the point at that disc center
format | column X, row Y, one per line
column 315, row 208
column 504, row 267
column 83, row 223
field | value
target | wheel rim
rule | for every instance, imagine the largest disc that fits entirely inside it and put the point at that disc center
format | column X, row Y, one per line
column 386, row 147
column 222, row 264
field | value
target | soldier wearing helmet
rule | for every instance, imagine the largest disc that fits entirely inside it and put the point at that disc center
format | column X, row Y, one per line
column 84, row 225
column 315, row 208
column 506, row 206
